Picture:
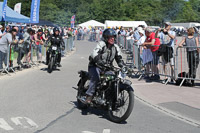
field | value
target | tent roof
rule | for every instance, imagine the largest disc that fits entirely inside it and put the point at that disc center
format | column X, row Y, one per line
column 109, row 23
column 47, row 23
column 92, row 23
column 12, row 16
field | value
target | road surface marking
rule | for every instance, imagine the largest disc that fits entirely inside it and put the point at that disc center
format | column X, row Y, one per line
column 87, row 132
column 31, row 122
column 4, row 125
column 143, row 84
column 106, row 131
column 16, row 121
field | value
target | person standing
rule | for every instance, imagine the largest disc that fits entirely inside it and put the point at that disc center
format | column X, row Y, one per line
column 38, row 37
column 192, row 44
column 7, row 39
column 152, row 43
column 167, row 37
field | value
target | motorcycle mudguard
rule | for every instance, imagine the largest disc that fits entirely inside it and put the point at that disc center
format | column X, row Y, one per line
column 84, row 76
column 126, row 86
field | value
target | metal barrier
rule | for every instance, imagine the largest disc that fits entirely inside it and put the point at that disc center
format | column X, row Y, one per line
column 187, row 61
column 122, row 41
column 9, row 66
column 145, row 62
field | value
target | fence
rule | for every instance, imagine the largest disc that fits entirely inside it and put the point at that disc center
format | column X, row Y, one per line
column 187, row 59
column 169, row 66
column 11, row 63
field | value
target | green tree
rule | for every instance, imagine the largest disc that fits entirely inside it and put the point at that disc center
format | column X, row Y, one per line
column 187, row 14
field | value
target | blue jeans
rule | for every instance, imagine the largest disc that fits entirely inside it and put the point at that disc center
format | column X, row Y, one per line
column 94, row 73
column 3, row 58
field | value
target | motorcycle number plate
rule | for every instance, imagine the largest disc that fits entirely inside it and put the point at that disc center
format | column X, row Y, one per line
column 54, row 48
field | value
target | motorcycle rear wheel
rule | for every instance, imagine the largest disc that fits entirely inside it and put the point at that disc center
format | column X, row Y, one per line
column 121, row 113
column 80, row 104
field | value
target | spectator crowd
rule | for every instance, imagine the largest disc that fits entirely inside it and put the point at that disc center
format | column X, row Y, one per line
column 157, row 48
column 20, row 40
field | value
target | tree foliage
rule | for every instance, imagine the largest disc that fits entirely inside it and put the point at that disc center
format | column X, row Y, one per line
column 154, row 12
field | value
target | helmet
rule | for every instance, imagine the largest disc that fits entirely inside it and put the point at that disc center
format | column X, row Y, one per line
column 107, row 33
column 55, row 29
column 40, row 30
column 29, row 30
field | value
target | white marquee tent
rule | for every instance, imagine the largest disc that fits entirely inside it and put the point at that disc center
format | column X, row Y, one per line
column 92, row 23
column 125, row 24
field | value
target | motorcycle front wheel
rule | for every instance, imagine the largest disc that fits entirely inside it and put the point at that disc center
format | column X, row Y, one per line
column 50, row 65
column 123, row 108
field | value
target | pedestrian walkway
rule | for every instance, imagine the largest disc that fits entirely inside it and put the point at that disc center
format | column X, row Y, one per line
column 182, row 100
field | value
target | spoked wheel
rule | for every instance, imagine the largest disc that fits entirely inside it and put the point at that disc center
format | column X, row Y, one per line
column 123, row 108
column 50, row 66
column 81, row 93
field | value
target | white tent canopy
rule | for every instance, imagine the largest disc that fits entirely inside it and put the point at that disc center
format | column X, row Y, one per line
column 92, row 23
column 186, row 25
column 132, row 24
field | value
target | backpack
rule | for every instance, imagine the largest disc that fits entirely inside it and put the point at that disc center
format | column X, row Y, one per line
column 161, row 50
column 179, row 80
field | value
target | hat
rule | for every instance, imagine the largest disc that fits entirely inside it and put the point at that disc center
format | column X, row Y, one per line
column 141, row 31
column 149, row 29
column 168, row 23
column 40, row 30
column 139, row 28
column 14, row 30
column 1, row 26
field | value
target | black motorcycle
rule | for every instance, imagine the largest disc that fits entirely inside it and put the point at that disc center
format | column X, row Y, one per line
column 113, row 93
column 53, row 58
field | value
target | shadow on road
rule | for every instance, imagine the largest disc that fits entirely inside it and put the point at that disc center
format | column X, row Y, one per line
column 56, row 120
column 99, row 112
column 46, row 69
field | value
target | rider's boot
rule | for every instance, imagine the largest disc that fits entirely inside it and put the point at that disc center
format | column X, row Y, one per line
column 59, row 65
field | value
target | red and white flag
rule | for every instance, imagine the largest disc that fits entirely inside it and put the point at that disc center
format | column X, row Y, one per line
column 17, row 8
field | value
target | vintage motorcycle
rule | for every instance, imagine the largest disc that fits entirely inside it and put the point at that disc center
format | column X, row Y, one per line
column 53, row 58
column 113, row 93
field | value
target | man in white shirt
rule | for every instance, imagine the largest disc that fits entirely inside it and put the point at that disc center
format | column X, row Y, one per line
column 167, row 37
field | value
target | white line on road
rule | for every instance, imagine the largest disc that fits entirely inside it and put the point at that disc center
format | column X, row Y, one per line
column 4, row 125
column 17, row 122
column 106, row 131
column 144, row 84
column 31, row 122
column 87, row 132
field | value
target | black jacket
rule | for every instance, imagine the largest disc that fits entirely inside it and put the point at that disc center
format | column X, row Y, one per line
column 56, row 40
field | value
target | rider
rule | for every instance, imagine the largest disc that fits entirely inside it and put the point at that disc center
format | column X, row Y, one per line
column 103, row 55
column 55, row 39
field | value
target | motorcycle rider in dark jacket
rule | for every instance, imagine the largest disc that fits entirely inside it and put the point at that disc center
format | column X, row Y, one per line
column 104, row 54
column 55, row 39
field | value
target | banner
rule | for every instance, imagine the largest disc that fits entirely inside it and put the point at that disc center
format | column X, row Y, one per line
column 72, row 21
column 4, row 9
column 17, row 8
column 35, row 8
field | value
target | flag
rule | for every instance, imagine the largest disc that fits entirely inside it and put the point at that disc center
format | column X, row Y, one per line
column 72, row 21
column 35, row 8
column 17, row 8
column 4, row 9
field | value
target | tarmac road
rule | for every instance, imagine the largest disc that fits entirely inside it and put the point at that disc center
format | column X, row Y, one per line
column 34, row 101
